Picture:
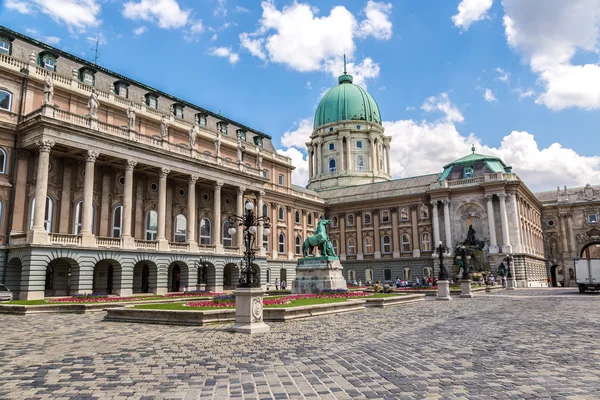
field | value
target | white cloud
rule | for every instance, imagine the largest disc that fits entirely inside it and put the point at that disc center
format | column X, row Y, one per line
column 301, row 39
column 549, row 34
column 240, row 9
column 442, row 103
column 79, row 14
column 524, row 93
column 308, row 85
column 377, row 23
column 470, row 11
column 166, row 13
column 300, row 135
column 300, row 174
column 140, row 30
column 220, row 9
column 503, row 76
column 51, row 40
column 489, row 96
column 197, row 27
column 225, row 52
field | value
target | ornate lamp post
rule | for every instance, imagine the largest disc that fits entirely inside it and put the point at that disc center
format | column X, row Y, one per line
column 465, row 261
column 510, row 280
column 249, row 294
column 249, row 276
column 443, row 284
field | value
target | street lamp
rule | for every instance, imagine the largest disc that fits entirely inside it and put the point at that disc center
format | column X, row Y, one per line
column 440, row 250
column 508, row 260
column 249, row 222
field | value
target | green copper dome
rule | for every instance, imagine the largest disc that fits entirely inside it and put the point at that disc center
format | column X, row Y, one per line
column 347, row 101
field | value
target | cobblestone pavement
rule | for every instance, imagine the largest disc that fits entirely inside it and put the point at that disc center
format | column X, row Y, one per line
column 528, row 343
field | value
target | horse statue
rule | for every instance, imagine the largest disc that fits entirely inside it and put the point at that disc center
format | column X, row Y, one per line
column 319, row 239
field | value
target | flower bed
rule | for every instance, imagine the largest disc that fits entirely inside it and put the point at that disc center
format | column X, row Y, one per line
column 192, row 294
column 97, row 299
column 229, row 300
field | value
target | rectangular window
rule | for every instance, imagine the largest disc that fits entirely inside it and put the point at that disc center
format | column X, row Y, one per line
column 88, row 78
column 50, row 64
column 281, row 180
column 152, row 102
column 179, row 112
column 359, row 144
column 331, row 146
column 593, row 218
column 265, row 173
column 122, row 90
column 468, row 173
column 202, row 120
column 223, row 128
column 4, row 46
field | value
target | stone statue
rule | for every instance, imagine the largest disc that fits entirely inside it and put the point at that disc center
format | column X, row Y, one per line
column 259, row 158
column 193, row 134
column 240, row 150
column 93, row 103
column 470, row 241
column 131, row 116
column 164, row 127
column 48, row 89
column 502, row 269
column 218, row 145
column 319, row 239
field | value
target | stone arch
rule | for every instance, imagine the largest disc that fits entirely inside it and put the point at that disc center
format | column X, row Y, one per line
column 64, row 276
column 590, row 250
column 108, row 277
column 14, row 273
column 231, row 276
column 469, row 213
column 145, row 276
column 177, row 276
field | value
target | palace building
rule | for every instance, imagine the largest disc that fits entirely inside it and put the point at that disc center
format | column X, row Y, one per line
column 109, row 185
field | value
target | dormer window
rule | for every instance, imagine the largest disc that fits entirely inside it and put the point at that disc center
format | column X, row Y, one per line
column 152, row 100
column 87, row 76
column 258, row 141
column 222, row 127
column 178, row 110
column 201, row 119
column 468, row 173
column 5, row 45
column 122, row 89
column 241, row 134
column 48, row 61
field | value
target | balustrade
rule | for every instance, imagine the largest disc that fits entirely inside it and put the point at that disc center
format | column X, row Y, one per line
column 178, row 246
column 108, row 242
column 146, row 244
column 65, row 239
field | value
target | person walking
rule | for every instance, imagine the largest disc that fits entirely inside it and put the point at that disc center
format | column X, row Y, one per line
column 277, row 284
column 397, row 282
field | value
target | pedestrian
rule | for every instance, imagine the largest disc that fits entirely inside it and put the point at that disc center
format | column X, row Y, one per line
column 283, row 285
column 503, row 281
column 549, row 282
column 416, row 281
column 277, row 284
column 397, row 282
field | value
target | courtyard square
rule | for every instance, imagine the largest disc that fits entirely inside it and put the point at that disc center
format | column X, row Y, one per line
column 529, row 343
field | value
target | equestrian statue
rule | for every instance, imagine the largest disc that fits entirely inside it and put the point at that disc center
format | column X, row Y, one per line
column 319, row 239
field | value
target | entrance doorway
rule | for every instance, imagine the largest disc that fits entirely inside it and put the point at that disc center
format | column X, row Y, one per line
column 553, row 275
column 146, row 279
column 176, row 278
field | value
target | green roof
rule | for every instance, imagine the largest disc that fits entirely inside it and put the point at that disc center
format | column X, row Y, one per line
column 474, row 157
column 346, row 102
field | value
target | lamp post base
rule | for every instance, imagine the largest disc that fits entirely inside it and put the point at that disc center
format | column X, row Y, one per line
column 511, row 284
column 465, row 286
column 443, row 290
column 249, row 311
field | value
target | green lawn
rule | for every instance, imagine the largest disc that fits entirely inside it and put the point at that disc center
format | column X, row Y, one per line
column 26, row 302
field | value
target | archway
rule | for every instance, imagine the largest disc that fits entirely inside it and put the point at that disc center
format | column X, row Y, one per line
column 231, row 276
column 107, row 277
column 14, row 271
column 590, row 250
column 62, row 278
column 211, row 277
column 283, row 274
column 145, row 274
column 178, row 276
column 553, row 275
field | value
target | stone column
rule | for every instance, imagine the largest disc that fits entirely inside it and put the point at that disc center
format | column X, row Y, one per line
column 19, row 225
column 506, row 247
column 291, row 237
column 571, row 233
column 217, row 237
column 240, row 210
column 343, row 244
column 260, row 229
column 491, row 223
column 395, row 238
column 436, row 223
column 309, row 148
column 447, row 227
column 87, row 237
column 105, row 214
column 563, row 234
column 38, row 233
column 191, row 211
column 128, row 240
column 274, row 238
column 359, row 239
column 414, row 222
column 342, row 166
column 376, row 234
column 163, row 243
column 64, row 221
column 517, row 242
column 319, row 157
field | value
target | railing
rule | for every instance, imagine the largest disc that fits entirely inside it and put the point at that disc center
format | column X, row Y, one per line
column 108, row 242
column 20, row 238
column 70, row 117
column 13, row 62
column 178, row 246
column 65, row 239
column 146, row 244
column 113, row 130
column 468, row 181
column 205, row 248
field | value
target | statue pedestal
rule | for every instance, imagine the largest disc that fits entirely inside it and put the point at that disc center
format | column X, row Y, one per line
column 443, row 290
column 511, row 284
column 465, row 289
column 249, row 311
column 318, row 274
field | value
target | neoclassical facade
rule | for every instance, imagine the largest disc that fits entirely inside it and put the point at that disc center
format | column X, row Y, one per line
column 110, row 185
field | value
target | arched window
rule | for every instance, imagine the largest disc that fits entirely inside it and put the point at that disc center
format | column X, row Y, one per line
column 424, row 212
column 48, row 214
column 386, row 244
column 265, row 210
column 297, row 217
column 79, row 217
column 351, row 247
column 281, row 244
column 2, row 161
column 5, row 100
column 426, row 272
column 385, row 217
column 281, row 213
column 368, row 245
column 227, row 238
column 426, row 240
column 350, row 219
column 387, row 274
column 180, row 231
column 334, row 222
column 360, row 164
column 298, row 244
column 405, row 243
column 151, row 225
column 351, row 275
column 205, row 232
column 334, row 243
column 332, row 167
column 268, row 276
column 117, row 221
column 367, row 218
column 404, row 214
column 310, row 218
column 369, row 275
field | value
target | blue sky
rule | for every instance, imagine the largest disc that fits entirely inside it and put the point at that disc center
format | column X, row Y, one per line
column 519, row 80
